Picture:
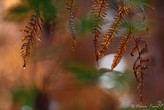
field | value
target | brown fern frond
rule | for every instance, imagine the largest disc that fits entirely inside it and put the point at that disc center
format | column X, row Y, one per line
column 139, row 65
column 98, row 13
column 110, row 35
column 121, row 50
column 32, row 34
column 139, row 41
column 72, row 6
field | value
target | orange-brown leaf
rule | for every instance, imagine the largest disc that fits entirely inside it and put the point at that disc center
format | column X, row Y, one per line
column 32, row 31
column 138, row 66
column 121, row 50
column 112, row 32
column 98, row 13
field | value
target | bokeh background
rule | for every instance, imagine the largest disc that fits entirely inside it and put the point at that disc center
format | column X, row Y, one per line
column 58, row 79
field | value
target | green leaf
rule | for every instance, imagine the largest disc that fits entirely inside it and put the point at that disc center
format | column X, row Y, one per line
column 18, row 13
column 84, row 73
column 85, row 25
column 24, row 97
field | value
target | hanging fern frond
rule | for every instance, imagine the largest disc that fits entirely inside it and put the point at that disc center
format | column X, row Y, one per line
column 72, row 6
column 110, row 35
column 98, row 13
column 121, row 50
column 139, row 65
column 32, row 34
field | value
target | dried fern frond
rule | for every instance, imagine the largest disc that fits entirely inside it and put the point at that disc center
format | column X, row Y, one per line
column 72, row 6
column 32, row 34
column 98, row 13
column 139, row 65
column 110, row 35
column 121, row 50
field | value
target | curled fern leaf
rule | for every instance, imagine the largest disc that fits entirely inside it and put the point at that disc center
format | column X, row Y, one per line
column 98, row 13
column 112, row 32
column 32, row 34
column 139, row 65
column 72, row 6
column 121, row 50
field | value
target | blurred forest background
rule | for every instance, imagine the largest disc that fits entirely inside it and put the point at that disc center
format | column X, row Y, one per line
column 58, row 79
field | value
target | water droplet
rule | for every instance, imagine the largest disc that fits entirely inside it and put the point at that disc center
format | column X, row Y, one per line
column 24, row 66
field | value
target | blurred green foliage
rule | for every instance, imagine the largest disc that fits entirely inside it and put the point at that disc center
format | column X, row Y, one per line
column 138, row 4
column 84, row 74
column 22, row 10
column 138, row 26
column 88, row 75
column 85, row 25
column 23, row 97
column 123, row 81
column 149, row 108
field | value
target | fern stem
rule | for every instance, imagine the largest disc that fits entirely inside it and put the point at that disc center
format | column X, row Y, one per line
column 124, row 21
column 112, row 6
column 71, row 23
column 111, row 34
column 138, row 51
column 95, row 37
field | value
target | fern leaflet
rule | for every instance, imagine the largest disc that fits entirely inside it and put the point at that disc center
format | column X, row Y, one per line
column 110, row 35
column 72, row 6
column 121, row 50
column 139, row 65
column 98, row 13
column 32, row 31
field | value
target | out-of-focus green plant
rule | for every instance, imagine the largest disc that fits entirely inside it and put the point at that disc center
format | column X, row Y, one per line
column 22, row 10
column 84, row 74
column 85, row 25
column 89, row 75
column 139, row 26
column 145, row 108
column 24, row 97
